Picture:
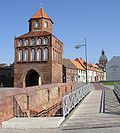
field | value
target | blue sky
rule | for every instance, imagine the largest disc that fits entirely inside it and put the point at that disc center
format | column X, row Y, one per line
column 97, row 20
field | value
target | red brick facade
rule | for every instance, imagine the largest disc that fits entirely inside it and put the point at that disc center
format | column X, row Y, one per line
column 30, row 101
column 38, row 54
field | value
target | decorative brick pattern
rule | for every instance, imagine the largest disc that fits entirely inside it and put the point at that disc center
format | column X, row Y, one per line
column 50, row 70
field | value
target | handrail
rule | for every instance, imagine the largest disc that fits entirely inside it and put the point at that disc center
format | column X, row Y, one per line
column 72, row 99
column 117, row 90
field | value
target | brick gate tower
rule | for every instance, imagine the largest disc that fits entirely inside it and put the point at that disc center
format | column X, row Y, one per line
column 38, row 54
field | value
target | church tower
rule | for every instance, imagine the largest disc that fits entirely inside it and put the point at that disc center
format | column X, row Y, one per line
column 38, row 54
column 103, row 59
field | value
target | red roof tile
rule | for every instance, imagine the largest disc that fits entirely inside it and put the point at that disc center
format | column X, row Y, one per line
column 81, row 61
column 34, row 34
column 41, row 14
column 78, row 65
column 67, row 63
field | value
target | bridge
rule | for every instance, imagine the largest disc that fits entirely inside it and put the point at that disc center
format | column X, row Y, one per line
column 88, row 106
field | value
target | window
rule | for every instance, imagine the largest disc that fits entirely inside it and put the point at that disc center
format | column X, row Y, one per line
column 55, row 55
column 37, row 24
column 21, row 42
column 46, row 40
column 26, row 42
column 46, row 24
column 39, row 54
column 39, row 41
column 26, row 55
column 33, row 55
column 33, row 42
column 20, row 55
column 46, row 54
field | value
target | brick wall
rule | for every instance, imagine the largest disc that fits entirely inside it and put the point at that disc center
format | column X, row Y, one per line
column 14, row 102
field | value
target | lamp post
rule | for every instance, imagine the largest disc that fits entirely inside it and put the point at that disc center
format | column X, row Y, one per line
column 85, row 45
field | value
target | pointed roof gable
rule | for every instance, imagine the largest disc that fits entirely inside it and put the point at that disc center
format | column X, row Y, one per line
column 41, row 14
column 67, row 63
column 81, row 61
column 78, row 65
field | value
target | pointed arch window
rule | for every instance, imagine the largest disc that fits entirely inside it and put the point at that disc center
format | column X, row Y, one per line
column 37, row 24
column 46, row 52
column 46, row 40
column 26, row 42
column 33, row 41
column 39, row 41
column 20, row 43
column 26, row 55
column 39, row 54
column 20, row 55
column 55, row 55
column 33, row 54
column 46, row 24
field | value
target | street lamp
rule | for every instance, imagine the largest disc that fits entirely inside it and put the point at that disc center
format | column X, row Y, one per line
column 85, row 45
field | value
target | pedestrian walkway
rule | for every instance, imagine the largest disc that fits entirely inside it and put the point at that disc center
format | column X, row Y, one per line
column 33, row 123
column 87, row 114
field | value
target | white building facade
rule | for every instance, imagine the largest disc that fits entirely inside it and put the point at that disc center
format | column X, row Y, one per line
column 113, row 69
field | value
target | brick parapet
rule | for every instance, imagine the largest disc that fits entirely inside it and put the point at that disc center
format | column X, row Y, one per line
column 40, row 98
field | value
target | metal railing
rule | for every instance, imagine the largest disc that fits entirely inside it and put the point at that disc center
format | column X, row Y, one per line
column 17, row 111
column 117, row 90
column 72, row 99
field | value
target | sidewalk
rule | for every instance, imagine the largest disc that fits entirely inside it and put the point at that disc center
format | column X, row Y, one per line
column 87, row 114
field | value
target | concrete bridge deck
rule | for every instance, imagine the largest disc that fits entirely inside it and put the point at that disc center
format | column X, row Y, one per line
column 88, row 113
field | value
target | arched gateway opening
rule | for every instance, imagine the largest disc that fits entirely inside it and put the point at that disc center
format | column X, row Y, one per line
column 32, row 78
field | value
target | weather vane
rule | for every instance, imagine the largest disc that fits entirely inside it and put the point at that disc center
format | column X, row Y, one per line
column 41, row 4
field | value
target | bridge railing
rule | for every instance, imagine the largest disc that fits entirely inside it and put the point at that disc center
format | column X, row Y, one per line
column 72, row 99
column 117, row 90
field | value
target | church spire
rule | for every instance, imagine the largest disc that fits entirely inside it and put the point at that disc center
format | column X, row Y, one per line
column 103, row 52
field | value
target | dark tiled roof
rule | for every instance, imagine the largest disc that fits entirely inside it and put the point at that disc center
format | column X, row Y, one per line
column 67, row 63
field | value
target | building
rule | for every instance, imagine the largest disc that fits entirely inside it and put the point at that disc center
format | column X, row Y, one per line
column 102, row 72
column 99, row 76
column 94, row 72
column 38, row 54
column 83, row 64
column 103, row 59
column 113, row 69
column 6, row 75
column 80, row 71
column 69, row 71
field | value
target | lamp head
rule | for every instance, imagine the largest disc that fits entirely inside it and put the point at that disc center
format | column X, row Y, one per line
column 77, row 46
